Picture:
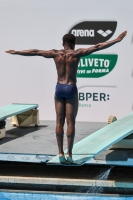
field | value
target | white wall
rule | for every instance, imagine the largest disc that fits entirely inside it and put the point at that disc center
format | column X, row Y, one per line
column 40, row 24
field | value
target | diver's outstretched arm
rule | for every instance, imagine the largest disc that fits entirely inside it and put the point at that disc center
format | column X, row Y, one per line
column 34, row 52
column 100, row 46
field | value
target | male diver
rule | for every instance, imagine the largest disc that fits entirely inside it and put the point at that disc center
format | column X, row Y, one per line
column 66, row 94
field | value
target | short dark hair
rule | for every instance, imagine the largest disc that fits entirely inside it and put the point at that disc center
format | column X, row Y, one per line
column 69, row 39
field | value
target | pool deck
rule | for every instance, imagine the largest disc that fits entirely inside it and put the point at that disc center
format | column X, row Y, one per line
column 41, row 139
column 23, row 155
column 38, row 144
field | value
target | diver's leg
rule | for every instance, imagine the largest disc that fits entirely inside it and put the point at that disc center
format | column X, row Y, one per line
column 60, row 119
column 71, row 112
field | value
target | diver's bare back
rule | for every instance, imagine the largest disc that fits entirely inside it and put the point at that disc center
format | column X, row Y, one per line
column 67, row 60
column 66, row 63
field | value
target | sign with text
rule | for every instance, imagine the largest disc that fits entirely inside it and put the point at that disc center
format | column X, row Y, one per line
column 96, row 65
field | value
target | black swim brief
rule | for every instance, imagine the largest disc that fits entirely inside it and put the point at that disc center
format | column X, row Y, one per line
column 65, row 91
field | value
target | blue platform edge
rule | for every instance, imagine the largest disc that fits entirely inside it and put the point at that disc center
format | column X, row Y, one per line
column 44, row 158
column 25, row 157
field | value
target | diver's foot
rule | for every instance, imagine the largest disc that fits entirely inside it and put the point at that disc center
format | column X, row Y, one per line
column 62, row 159
column 69, row 159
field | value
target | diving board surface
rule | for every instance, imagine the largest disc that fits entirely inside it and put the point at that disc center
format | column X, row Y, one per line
column 100, row 140
column 15, row 109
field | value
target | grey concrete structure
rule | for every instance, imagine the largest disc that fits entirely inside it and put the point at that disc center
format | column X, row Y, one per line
column 38, row 144
column 41, row 139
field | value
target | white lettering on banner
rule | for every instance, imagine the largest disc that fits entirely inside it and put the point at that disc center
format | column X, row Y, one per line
column 81, row 61
column 81, row 71
column 101, row 62
column 90, row 62
column 100, row 70
column 88, row 71
column 86, row 32
column 86, row 62
column 95, row 62
column 81, row 33
column 106, row 63
column 92, row 33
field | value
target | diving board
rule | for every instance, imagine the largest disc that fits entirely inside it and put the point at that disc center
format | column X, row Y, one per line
column 21, row 114
column 100, row 140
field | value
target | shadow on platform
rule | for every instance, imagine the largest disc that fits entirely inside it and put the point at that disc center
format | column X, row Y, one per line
column 17, row 132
